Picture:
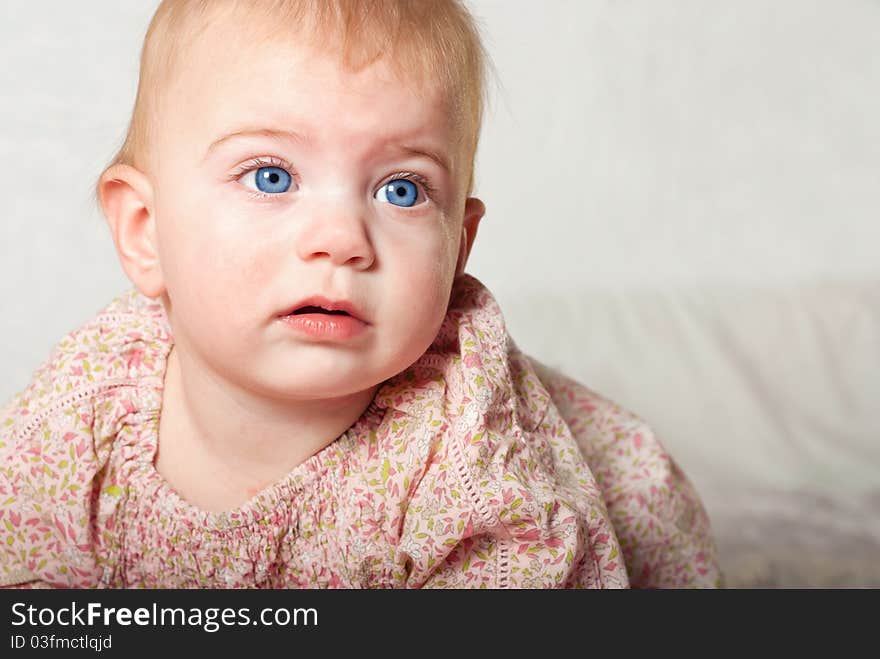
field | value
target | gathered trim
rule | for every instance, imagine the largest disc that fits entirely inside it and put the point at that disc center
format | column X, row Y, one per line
column 17, row 577
column 73, row 398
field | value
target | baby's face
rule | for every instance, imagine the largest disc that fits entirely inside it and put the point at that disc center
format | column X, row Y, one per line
column 357, row 196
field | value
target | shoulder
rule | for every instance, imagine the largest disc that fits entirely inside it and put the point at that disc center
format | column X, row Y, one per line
column 119, row 343
column 661, row 523
column 123, row 346
column 503, row 500
column 617, row 443
column 57, row 435
column 500, row 503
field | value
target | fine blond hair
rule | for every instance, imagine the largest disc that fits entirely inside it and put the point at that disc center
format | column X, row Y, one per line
column 424, row 41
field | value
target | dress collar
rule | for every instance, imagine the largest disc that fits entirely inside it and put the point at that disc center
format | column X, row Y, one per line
column 467, row 361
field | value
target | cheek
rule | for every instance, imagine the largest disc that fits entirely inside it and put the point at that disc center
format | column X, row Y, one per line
column 206, row 269
column 423, row 285
column 444, row 266
column 255, row 265
column 430, row 263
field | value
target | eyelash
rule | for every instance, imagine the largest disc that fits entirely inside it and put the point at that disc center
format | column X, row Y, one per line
column 259, row 163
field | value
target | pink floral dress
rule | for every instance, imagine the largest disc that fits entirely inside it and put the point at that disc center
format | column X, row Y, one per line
column 476, row 467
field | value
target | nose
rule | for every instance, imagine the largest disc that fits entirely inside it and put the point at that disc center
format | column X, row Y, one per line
column 337, row 231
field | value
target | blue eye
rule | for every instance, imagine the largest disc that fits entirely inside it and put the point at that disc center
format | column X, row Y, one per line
column 272, row 180
column 399, row 192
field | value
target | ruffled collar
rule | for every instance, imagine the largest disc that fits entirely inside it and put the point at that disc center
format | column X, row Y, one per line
column 463, row 379
column 467, row 361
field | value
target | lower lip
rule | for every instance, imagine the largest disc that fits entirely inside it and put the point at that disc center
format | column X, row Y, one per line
column 325, row 326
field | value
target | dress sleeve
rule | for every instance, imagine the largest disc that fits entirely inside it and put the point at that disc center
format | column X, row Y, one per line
column 54, row 444
column 662, row 526
column 14, row 571
column 514, row 512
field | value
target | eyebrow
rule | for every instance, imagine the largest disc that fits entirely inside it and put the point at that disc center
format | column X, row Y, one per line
column 272, row 133
column 281, row 135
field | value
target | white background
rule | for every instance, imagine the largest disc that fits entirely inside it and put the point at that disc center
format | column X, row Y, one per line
column 632, row 148
column 629, row 144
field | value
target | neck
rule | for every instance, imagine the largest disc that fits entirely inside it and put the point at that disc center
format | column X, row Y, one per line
column 220, row 445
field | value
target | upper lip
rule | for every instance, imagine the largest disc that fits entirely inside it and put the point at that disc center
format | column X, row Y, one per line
column 326, row 303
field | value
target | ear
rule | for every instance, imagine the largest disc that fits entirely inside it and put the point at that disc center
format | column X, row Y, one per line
column 126, row 196
column 474, row 209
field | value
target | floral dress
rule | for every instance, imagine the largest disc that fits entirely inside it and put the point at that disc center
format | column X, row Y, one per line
column 476, row 467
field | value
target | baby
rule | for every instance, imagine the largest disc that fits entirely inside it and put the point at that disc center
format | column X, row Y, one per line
column 305, row 388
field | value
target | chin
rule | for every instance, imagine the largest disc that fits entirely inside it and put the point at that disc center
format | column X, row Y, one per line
column 310, row 385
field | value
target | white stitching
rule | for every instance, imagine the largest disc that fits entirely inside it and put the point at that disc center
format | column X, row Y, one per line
column 74, row 397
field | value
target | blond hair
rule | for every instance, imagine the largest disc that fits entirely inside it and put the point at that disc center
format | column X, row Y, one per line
column 424, row 41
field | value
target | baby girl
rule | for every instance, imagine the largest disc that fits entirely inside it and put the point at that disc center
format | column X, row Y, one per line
column 304, row 388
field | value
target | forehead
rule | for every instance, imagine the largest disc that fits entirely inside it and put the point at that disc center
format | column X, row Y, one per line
column 232, row 78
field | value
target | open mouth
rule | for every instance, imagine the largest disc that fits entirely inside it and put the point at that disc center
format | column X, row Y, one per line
column 319, row 310
column 317, row 322
column 319, row 305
